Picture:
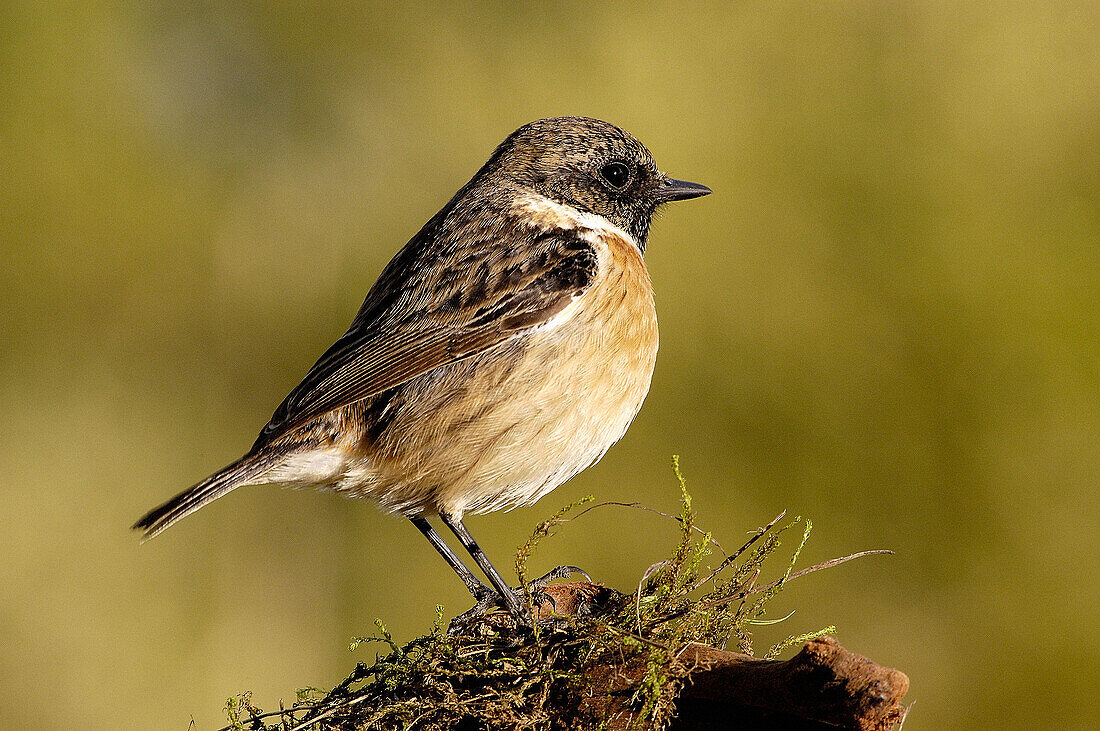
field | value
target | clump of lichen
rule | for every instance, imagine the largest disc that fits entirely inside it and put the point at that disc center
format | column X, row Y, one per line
column 616, row 663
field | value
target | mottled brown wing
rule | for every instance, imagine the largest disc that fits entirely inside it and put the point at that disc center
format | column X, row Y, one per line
column 461, row 317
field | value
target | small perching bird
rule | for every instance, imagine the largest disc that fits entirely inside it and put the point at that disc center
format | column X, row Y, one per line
column 503, row 350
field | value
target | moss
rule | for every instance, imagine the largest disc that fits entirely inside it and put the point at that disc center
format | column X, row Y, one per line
column 500, row 676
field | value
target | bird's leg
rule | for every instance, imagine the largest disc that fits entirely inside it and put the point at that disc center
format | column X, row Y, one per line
column 507, row 595
column 479, row 590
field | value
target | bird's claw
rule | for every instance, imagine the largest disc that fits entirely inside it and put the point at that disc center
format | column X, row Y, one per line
column 490, row 603
column 560, row 572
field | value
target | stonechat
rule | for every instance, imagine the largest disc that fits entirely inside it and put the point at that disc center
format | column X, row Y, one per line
column 503, row 350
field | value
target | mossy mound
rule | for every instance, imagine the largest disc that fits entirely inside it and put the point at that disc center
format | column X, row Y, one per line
column 591, row 658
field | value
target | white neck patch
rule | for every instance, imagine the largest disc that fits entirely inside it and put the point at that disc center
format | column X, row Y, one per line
column 545, row 214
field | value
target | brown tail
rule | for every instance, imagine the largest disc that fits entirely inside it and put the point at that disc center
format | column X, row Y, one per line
column 239, row 473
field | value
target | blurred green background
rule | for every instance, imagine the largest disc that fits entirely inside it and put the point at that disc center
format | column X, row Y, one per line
column 885, row 319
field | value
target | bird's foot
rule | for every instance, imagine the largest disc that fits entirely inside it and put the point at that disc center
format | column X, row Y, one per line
column 549, row 606
column 560, row 572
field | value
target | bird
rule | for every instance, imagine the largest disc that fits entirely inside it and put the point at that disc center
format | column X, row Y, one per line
column 504, row 349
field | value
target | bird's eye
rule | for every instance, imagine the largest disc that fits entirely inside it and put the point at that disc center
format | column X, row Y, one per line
column 616, row 174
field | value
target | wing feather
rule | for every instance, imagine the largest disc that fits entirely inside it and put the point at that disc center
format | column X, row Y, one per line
column 456, row 316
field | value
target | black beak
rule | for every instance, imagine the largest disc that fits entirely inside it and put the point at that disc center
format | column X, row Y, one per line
column 680, row 190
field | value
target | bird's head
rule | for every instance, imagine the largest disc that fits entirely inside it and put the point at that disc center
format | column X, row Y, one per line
column 593, row 166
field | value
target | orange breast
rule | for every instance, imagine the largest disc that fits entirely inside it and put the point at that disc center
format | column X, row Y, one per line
column 623, row 302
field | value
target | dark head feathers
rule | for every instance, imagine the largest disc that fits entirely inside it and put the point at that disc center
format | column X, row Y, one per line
column 585, row 163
